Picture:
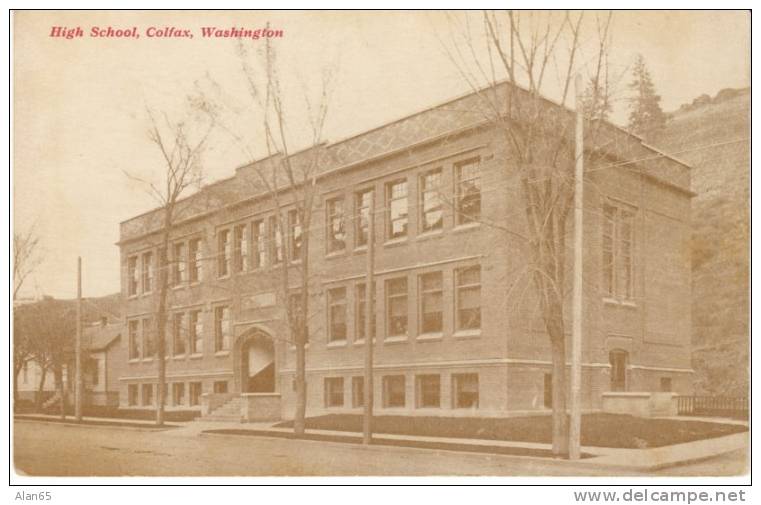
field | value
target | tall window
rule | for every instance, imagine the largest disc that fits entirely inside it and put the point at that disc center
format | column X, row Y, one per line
column 147, row 272
column 132, row 394
column 617, row 252
column 394, row 391
column 334, row 392
column 196, row 332
column 361, row 312
column 178, row 393
column 149, row 341
column 396, row 307
column 179, row 333
column 295, row 234
column 431, row 212
column 618, row 365
column 465, row 390
column 240, row 250
column 179, row 254
column 337, row 314
column 276, row 241
column 222, row 328
column 396, row 203
column 195, row 393
column 468, row 298
column 468, row 191
column 362, row 217
column 260, row 243
column 147, row 394
column 223, row 253
column 431, row 303
column 132, row 276
column 428, row 391
column 336, row 230
column 194, row 260
column 133, row 328
column 358, row 391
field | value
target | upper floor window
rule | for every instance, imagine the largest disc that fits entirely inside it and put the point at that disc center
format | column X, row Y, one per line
column 361, row 219
column 133, row 277
column 361, row 312
column 396, row 202
column 295, row 234
column 259, row 243
column 147, row 272
column 336, row 231
column 396, row 307
column 223, row 253
column 179, row 333
column 240, row 251
column 431, row 303
column 468, row 298
column 194, row 260
column 617, row 251
column 133, row 331
column 222, row 328
column 149, row 339
column 276, row 241
column 431, row 212
column 468, row 191
column 337, row 314
column 196, row 332
column 179, row 272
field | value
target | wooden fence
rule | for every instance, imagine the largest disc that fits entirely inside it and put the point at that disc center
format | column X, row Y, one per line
column 717, row 406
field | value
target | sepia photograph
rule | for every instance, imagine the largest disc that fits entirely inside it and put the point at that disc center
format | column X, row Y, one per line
column 352, row 244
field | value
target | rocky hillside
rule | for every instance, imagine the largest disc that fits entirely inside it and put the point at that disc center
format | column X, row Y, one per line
column 713, row 135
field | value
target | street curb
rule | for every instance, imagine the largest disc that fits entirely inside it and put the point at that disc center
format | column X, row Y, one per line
column 106, row 424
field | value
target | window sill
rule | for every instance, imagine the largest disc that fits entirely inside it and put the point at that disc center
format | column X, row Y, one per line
column 337, row 343
column 361, row 341
column 147, row 360
column 222, row 353
column 395, row 340
column 360, row 249
column 430, row 234
column 466, row 227
column 179, row 356
column 626, row 303
column 427, row 337
column 335, row 254
column 223, row 277
column 196, row 356
column 179, row 286
column 133, row 297
column 467, row 334
column 134, row 360
column 395, row 241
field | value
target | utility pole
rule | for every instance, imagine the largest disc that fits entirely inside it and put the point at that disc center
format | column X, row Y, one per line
column 574, row 439
column 78, row 378
column 367, row 424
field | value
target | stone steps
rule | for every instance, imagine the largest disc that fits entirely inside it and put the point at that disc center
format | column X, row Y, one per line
column 229, row 411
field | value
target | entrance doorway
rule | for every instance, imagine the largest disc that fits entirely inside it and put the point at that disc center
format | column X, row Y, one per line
column 256, row 363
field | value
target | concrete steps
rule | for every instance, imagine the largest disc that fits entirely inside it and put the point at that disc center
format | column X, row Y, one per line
column 229, row 411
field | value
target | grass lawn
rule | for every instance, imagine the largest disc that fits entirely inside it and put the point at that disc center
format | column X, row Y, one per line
column 597, row 430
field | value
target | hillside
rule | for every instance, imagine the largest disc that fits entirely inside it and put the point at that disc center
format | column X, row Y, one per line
column 712, row 135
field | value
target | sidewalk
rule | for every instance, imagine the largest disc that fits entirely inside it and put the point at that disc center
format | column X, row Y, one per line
column 105, row 422
column 635, row 460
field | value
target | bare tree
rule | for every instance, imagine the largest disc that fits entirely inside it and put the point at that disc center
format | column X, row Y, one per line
column 288, row 177
column 510, row 63
column 181, row 143
column 26, row 257
column 50, row 326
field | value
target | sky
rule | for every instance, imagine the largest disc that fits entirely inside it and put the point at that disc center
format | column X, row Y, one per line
column 79, row 121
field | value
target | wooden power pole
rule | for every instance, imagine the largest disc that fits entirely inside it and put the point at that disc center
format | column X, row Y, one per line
column 78, row 379
column 574, row 439
column 367, row 424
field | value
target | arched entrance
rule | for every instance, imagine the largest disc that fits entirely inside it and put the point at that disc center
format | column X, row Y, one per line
column 254, row 365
